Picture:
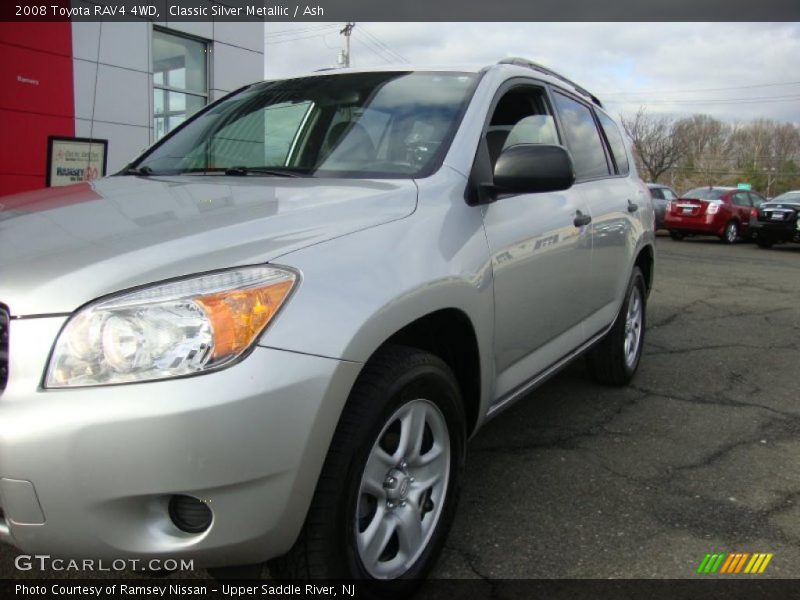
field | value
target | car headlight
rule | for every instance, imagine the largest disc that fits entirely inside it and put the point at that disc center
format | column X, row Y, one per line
column 168, row 330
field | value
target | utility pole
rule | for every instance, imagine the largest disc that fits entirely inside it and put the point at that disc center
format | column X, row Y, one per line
column 344, row 55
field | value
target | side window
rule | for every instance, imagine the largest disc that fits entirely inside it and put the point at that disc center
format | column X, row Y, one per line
column 756, row 199
column 741, row 199
column 582, row 137
column 617, row 144
column 657, row 193
column 668, row 194
column 520, row 117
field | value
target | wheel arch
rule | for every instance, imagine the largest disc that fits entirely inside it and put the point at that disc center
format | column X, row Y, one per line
column 449, row 334
column 645, row 260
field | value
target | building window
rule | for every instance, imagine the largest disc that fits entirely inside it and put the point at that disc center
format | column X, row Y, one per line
column 180, row 80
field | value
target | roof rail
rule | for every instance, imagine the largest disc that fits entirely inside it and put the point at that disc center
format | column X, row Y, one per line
column 529, row 64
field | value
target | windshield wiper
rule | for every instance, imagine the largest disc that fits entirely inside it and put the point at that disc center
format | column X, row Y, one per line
column 143, row 171
column 260, row 171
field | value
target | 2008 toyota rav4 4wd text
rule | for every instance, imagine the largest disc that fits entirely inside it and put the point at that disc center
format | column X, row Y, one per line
column 271, row 336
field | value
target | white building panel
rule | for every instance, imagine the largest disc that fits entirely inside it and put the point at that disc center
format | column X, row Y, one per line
column 234, row 67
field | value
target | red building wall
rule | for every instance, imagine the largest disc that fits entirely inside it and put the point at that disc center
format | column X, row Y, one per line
column 36, row 99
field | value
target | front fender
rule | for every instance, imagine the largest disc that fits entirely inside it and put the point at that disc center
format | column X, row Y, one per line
column 360, row 289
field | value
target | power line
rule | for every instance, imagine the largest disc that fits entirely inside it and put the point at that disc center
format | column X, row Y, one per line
column 308, row 36
column 736, row 87
column 299, row 30
column 373, row 50
column 729, row 171
column 382, row 44
column 378, row 49
column 764, row 99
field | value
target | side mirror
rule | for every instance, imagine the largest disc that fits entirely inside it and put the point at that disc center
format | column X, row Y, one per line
column 531, row 168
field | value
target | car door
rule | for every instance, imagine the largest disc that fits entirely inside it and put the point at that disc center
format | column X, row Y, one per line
column 540, row 250
column 612, row 199
column 741, row 205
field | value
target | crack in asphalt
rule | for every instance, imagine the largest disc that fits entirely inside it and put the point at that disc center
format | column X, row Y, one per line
column 721, row 347
column 564, row 442
column 471, row 561
column 720, row 399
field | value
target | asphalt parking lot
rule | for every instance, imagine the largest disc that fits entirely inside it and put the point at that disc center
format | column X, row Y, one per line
column 701, row 454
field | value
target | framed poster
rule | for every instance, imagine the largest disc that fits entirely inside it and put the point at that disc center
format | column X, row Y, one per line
column 72, row 160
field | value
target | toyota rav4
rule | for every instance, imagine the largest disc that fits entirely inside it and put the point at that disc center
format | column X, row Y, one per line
column 270, row 337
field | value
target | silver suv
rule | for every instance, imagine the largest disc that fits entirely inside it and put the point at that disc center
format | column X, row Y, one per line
column 270, row 336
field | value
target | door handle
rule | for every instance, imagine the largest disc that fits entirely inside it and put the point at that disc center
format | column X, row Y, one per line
column 632, row 207
column 581, row 219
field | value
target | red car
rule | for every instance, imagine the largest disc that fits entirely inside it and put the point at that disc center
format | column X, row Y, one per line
column 721, row 211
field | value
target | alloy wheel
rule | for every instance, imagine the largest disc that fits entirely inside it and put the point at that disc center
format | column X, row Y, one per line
column 633, row 327
column 402, row 489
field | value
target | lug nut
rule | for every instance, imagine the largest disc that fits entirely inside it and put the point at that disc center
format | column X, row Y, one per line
column 390, row 504
column 389, row 482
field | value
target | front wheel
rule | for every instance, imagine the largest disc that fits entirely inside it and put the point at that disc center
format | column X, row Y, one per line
column 676, row 235
column 731, row 233
column 615, row 358
column 388, row 489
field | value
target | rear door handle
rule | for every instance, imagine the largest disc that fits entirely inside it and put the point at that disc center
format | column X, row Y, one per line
column 632, row 207
column 581, row 219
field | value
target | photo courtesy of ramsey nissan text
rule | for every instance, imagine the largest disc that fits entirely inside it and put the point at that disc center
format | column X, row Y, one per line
column 362, row 299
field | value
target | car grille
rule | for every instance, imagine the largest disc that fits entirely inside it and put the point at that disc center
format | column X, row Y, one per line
column 3, row 348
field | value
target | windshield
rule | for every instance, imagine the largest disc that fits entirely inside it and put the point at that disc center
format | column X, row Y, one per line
column 787, row 197
column 396, row 124
column 706, row 193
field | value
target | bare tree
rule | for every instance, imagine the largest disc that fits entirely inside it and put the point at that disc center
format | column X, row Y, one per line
column 657, row 142
column 707, row 147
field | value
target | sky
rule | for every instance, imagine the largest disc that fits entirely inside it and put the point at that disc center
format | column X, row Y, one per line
column 732, row 71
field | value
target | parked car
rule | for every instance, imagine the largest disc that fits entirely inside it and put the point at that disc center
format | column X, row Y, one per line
column 662, row 195
column 721, row 211
column 272, row 334
column 777, row 220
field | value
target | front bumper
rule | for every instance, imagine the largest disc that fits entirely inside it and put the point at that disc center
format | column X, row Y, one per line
column 101, row 463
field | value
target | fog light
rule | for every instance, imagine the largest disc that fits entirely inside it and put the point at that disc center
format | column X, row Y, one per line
column 189, row 514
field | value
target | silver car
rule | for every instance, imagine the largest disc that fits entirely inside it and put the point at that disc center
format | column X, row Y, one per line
column 271, row 336
column 662, row 195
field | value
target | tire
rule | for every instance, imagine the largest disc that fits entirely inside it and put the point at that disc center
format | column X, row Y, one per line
column 676, row 235
column 730, row 234
column 398, row 389
column 764, row 242
column 612, row 361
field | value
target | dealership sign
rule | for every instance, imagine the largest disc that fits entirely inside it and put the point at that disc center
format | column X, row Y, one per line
column 72, row 160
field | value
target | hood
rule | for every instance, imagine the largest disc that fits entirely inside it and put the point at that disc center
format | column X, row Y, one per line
column 62, row 247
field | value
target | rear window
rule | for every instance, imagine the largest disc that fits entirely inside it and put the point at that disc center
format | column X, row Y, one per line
column 787, row 197
column 706, row 193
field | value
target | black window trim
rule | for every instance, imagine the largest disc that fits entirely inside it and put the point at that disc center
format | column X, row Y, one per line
column 607, row 142
column 609, row 161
